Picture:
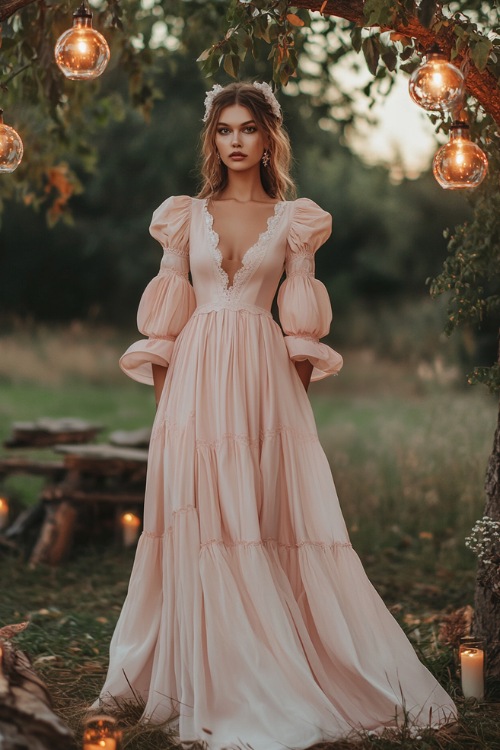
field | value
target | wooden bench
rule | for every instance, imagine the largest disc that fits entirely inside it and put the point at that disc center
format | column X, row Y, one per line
column 88, row 489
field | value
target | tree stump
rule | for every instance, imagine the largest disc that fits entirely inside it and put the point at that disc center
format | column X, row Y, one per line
column 487, row 599
column 27, row 721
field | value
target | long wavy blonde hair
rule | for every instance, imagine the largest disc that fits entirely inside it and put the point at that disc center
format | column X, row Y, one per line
column 275, row 178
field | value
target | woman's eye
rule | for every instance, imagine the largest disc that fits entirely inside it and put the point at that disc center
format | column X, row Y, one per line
column 223, row 131
column 251, row 129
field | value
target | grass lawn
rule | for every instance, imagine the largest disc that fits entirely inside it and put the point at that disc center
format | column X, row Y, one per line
column 408, row 457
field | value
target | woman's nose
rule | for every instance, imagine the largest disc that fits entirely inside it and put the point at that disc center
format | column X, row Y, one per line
column 236, row 139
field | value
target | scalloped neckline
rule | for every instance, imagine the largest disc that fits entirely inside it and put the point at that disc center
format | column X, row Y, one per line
column 254, row 249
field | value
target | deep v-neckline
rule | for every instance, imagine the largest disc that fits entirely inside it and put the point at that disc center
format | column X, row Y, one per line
column 250, row 257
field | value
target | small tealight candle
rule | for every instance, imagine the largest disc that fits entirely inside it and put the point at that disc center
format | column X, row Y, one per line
column 472, row 666
column 130, row 525
column 108, row 743
column 101, row 733
column 4, row 512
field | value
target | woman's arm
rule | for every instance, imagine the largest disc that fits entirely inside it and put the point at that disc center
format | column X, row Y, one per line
column 159, row 375
column 304, row 369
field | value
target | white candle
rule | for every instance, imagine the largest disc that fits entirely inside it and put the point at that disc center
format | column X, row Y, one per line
column 131, row 525
column 472, row 664
column 4, row 512
column 107, row 743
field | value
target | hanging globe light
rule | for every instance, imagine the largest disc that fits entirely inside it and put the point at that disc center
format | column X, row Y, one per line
column 460, row 163
column 82, row 53
column 437, row 85
column 11, row 147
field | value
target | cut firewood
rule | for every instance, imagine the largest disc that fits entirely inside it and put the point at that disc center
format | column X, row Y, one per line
column 45, row 432
column 131, row 438
column 56, row 536
column 27, row 721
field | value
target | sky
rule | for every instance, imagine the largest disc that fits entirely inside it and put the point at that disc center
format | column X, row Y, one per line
column 404, row 136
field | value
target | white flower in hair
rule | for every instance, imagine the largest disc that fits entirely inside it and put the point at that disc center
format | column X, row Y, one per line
column 271, row 99
column 209, row 99
column 263, row 87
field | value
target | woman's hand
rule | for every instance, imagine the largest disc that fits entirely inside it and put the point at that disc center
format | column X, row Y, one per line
column 159, row 375
column 304, row 369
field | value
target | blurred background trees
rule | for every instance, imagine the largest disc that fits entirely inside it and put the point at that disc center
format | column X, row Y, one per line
column 99, row 156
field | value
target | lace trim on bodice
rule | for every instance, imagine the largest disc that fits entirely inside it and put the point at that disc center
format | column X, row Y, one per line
column 252, row 257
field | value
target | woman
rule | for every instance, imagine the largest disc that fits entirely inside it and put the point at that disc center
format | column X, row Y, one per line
column 248, row 612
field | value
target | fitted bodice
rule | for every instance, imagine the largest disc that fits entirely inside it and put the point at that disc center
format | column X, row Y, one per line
column 256, row 280
column 184, row 227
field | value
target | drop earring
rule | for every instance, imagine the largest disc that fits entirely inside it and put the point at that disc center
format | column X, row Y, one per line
column 266, row 157
column 218, row 157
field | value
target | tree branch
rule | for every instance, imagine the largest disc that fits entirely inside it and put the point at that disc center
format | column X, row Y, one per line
column 482, row 85
column 9, row 7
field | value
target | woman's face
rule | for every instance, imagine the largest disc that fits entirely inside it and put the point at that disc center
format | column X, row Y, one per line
column 239, row 140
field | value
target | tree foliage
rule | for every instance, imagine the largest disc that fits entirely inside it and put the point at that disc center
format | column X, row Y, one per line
column 302, row 43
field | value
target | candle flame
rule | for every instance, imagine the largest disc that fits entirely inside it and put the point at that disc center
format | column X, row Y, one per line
column 3, row 503
column 128, row 519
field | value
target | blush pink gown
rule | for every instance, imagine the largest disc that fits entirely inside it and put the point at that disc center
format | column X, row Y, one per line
column 249, row 617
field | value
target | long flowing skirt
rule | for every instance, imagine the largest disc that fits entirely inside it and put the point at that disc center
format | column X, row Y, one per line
column 249, row 615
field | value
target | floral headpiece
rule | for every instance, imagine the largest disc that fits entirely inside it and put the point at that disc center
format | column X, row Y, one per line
column 263, row 87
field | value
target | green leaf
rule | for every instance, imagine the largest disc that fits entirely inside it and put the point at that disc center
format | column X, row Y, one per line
column 426, row 12
column 410, row 66
column 378, row 12
column 371, row 53
column 242, row 49
column 390, row 59
column 204, row 55
column 480, row 53
column 231, row 65
column 356, row 38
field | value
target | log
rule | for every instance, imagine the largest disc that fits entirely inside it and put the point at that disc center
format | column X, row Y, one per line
column 27, row 721
column 56, row 535
column 16, row 465
column 131, row 438
column 46, row 432
column 26, row 520
column 103, row 452
column 105, row 460
column 53, row 494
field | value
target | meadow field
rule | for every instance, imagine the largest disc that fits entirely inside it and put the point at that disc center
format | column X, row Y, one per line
column 408, row 447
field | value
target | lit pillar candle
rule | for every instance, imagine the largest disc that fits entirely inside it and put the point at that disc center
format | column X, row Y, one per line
column 4, row 512
column 130, row 526
column 472, row 666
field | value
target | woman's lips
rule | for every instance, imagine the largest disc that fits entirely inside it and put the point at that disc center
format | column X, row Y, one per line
column 237, row 157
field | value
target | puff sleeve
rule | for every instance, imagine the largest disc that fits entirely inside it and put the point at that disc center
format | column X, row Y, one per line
column 168, row 300
column 304, row 305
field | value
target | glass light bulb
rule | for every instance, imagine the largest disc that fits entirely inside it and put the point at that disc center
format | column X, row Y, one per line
column 81, row 52
column 11, row 147
column 460, row 163
column 437, row 85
